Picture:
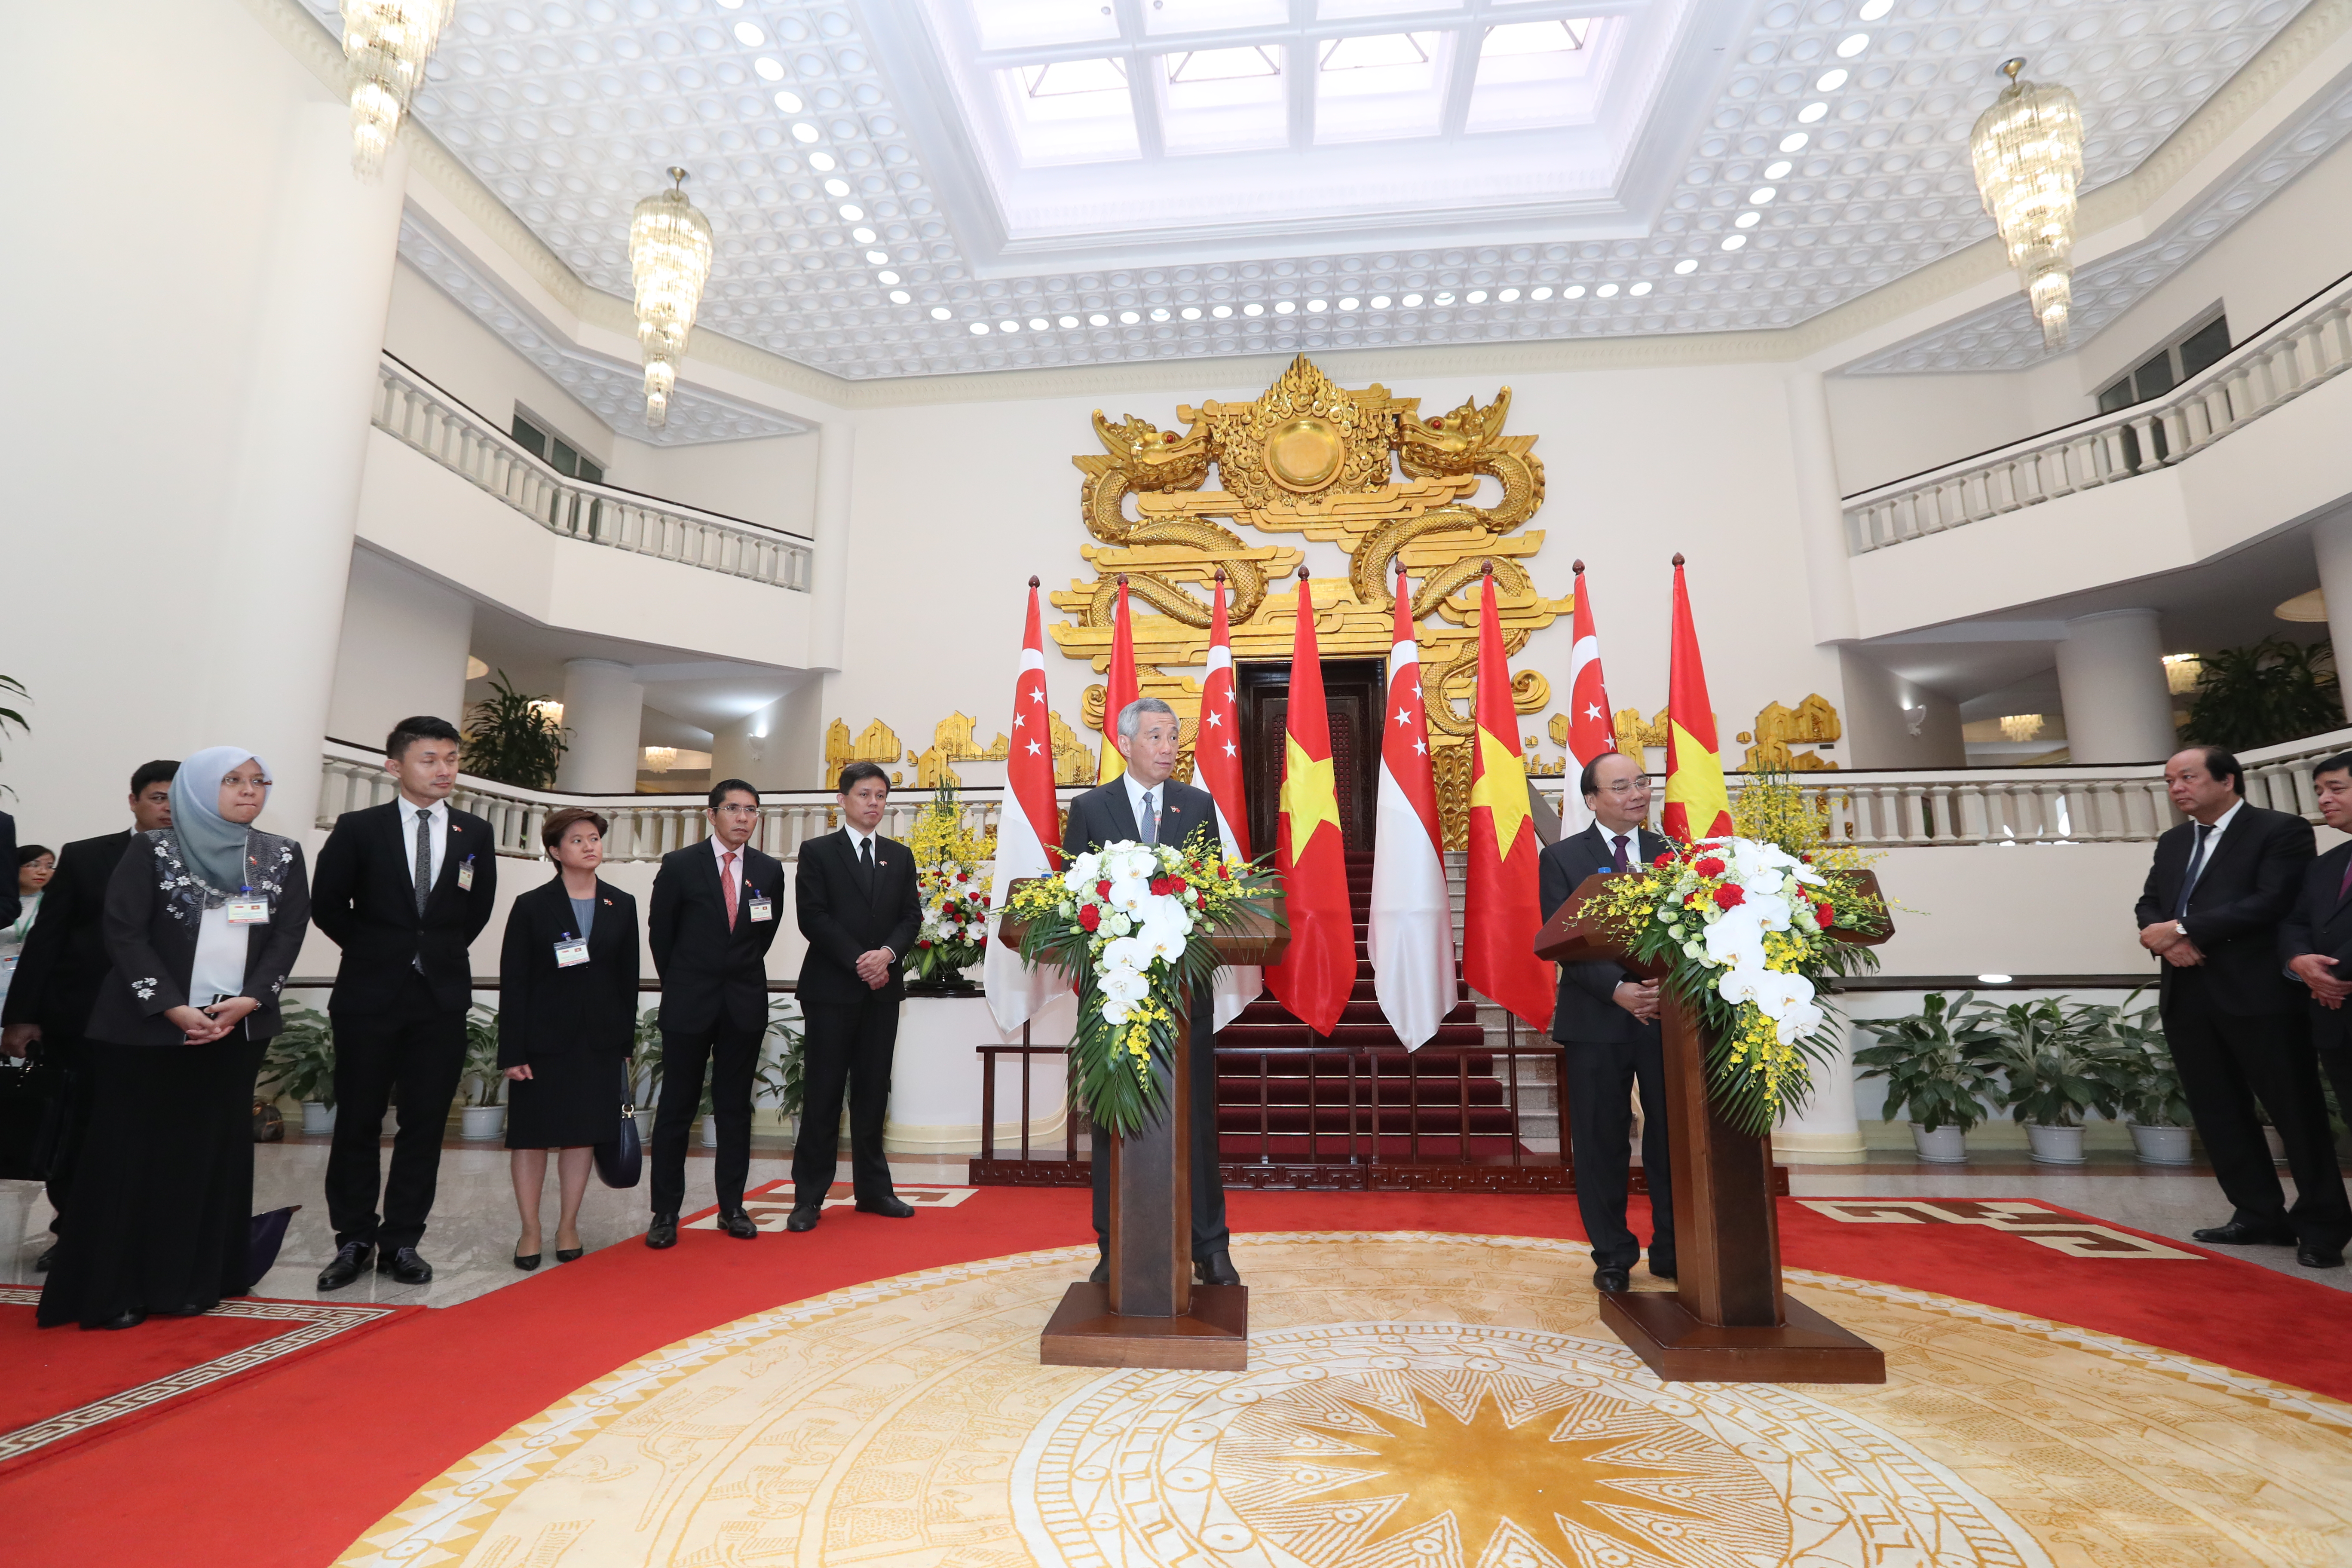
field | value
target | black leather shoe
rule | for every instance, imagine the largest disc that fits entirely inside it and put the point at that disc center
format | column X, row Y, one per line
column 2237, row 1233
column 350, row 1261
column 739, row 1225
column 1661, row 1268
column 49, row 1255
column 801, row 1219
column 893, row 1207
column 1610, row 1280
column 663, row 1232
column 526, row 1261
column 404, row 1265
column 130, row 1319
column 1214, row 1269
column 570, row 1254
column 1101, row 1275
column 2312, row 1256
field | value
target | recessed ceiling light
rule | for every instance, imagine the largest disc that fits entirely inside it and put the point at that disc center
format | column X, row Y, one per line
column 1476, row 297
column 851, row 212
column 1685, row 266
column 769, row 69
column 1008, row 326
column 730, row 5
column 1831, row 80
column 1747, row 220
column 1411, row 300
column 1192, row 313
column 887, row 277
column 836, row 187
column 1317, row 307
column 1129, row 317
column 1253, row 309
column 1812, row 113
column 1540, row 294
column 1508, row 295
column 1573, row 291
column 1638, row 288
column 1794, row 141
column 1067, row 321
column 1221, row 312
column 1733, row 242
column 1848, row 46
column 803, row 132
column 979, row 329
column 1444, row 299
column 897, row 296
column 1762, row 195
column 1347, row 304
column 940, row 312
column 1098, row 319
column 790, row 102
column 820, row 162
column 1160, row 315
column 1779, row 170
column 748, row 33
column 1873, row 10
column 1606, row 291
column 875, row 257
column 1038, row 323
column 1380, row 302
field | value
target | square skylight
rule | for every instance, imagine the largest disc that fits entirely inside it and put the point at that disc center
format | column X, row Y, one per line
column 1022, row 24
column 1533, row 75
column 1223, row 100
column 1070, row 111
column 1341, row 10
column 1388, row 86
column 1212, row 16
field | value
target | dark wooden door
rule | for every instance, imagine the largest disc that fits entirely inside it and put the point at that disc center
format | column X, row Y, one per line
column 1354, row 691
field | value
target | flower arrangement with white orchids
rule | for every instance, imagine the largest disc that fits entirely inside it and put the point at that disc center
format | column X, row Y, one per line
column 1744, row 931
column 1131, row 924
column 951, row 865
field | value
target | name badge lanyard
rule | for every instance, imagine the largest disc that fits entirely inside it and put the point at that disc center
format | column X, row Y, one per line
column 571, row 950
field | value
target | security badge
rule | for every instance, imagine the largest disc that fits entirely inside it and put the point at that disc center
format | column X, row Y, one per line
column 761, row 910
column 570, row 952
column 248, row 910
column 466, row 875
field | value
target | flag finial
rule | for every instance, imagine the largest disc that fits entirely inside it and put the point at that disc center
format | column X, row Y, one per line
column 1220, row 574
column 1302, row 571
column 1488, row 570
column 1678, row 559
column 1580, row 568
column 1032, row 579
column 1122, row 576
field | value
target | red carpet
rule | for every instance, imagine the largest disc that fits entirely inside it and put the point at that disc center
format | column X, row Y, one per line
column 343, row 1438
column 66, row 1387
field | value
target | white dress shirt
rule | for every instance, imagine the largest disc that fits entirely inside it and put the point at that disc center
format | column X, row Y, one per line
column 2212, row 836
column 219, row 968
column 1135, row 794
column 438, row 814
column 718, row 849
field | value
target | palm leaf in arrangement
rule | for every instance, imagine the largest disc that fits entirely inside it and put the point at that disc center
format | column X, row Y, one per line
column 2273, row 691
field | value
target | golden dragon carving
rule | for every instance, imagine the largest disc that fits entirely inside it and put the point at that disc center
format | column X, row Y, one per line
column 1139, row 457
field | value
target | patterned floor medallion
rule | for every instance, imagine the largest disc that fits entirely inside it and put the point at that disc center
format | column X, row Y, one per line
column 1412, row 1401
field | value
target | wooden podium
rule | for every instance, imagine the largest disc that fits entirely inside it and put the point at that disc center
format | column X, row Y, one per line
column 1151, row 1314
column 1728, row 1319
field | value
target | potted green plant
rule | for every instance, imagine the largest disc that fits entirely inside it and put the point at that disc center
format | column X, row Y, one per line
column 2155, row 1106
column 2057, row 1062
column 1933, row 1063
column 645, row 1065
column 511, row 737
column 485, row 1083
column 301, row 1066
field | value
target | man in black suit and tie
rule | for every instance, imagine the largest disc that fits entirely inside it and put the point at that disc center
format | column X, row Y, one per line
column 711, row 923
column 2221, row 884
column 65, row 959
column 1144, row 805
column 859, row 911
column 404, row 888
column 2316, row 939
column 1606, row 1023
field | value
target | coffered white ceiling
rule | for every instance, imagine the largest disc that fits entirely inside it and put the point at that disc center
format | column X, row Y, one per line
column 896, row 191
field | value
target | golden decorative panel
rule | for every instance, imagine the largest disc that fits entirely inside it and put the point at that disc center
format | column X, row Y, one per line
column 1780, row 730
column 1359, row 468
column 953, row 742
column 877, row 743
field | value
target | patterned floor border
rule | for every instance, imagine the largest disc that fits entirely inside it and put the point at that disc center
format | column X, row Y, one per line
column 310, row 1324
column 442, row 1518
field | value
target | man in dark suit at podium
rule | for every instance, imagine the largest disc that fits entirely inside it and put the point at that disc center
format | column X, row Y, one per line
column 1146, row 805
column 859, row 911
column 2221, row 884
column 1606, row 1023
column 713, row 916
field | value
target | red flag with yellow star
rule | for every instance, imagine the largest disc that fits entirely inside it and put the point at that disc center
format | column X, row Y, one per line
column 1118, row 690
column 1500, row 909
column 1697, row 805
column 1319, row 968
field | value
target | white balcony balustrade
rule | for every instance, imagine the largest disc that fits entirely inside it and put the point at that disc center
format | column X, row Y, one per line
column 2308, row 346
column 415, row 412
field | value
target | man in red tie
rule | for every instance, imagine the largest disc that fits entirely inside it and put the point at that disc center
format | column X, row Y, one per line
column 713, row 917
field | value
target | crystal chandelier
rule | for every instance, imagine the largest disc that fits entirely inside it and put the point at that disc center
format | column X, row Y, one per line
column 2028, row 149
column 669, row 260
column 387, row 43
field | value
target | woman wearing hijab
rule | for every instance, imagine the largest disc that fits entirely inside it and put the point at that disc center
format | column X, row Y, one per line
column 567, row 1023
column 203, row 922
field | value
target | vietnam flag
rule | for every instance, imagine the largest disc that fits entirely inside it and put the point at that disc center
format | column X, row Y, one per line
column 1410, row 935
column 1591, row 732
column 1501, row 912
column 1028, row 835
column 1121, row 690
column 1319, row 968
column 1697, row 805
column 1217, row 768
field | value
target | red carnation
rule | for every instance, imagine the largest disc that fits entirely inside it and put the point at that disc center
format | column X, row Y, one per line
column 1729, row 896
column 1089, row 917
column 1665, row 859
column 964, row 876
column 1226, row 872
column 1162, row 886
column 1826, row 915
column 1710, row 866
column 926, row 941
column 1102, row 890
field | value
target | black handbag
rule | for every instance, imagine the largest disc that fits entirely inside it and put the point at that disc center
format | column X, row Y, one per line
column 32, row 1115
column 621, row 1159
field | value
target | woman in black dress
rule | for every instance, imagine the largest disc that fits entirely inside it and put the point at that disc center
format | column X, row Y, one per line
column 567, row 1024
column 203, row 921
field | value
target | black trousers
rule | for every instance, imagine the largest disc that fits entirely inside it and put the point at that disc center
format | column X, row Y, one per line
column 1597, row 1083
column 850, row 1047
column 2230, row 1062
column 2338, row 1065
column 1210, row 1235
column 72, row 1058
column 731, row 1053
column 419, row 1048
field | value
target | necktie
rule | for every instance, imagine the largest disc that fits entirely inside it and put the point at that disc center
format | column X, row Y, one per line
column 726, row 885
column 423, row 861
column 1621, row 864
column 2196, row 864
column 1151, row 823
column 2344, row 887
column 865, row 863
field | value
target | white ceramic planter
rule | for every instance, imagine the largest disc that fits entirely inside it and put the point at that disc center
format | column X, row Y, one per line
column 2054, row 1145
column 482, row 1121
column 2278, row 1145
column 2160, row 1146
column 1946, row 1145
column 317, row 1120
column 709, row 1131
column 645, row 1124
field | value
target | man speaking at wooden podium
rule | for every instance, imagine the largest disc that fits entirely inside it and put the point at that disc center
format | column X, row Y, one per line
column 1606, row 1022
column 1144, row 806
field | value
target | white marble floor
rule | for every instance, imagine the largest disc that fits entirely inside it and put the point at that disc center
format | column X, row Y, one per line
column 472, row 1236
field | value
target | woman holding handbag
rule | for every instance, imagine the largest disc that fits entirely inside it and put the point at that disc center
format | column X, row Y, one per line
column 567, row 1021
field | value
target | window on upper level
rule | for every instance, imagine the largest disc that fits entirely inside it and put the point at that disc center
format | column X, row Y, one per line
column 2190, row 352
column 554, row 450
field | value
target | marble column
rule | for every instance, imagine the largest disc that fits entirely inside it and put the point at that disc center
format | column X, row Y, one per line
column 2331, row 545
column 829, row 572
column 603, row 709
column 1820, row 516
column 286, row 540
column 2111, row 685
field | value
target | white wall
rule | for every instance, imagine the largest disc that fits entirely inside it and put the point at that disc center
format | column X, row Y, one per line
column 404, row 650
column 444, row 343
column 771, row 481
